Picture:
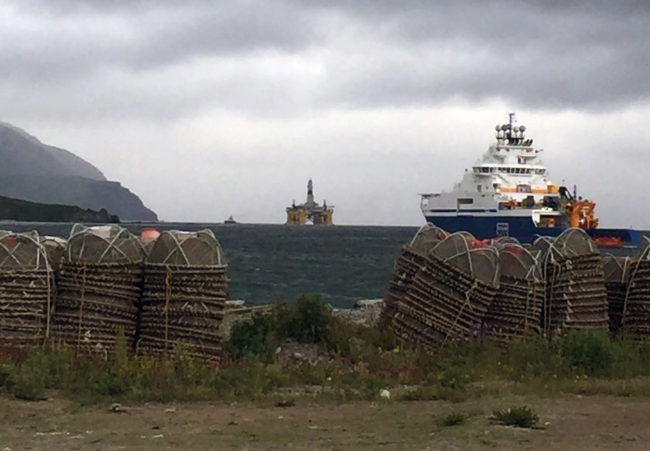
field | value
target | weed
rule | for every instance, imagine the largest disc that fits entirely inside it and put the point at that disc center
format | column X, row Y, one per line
column 589, row 351
column 5, row 373
column 357, row 341
column 454, row 373
column 453, row 419
column 422, row 393
column 248, row 381
column 285, row 402
column 363, row 360
column 41, row 371
column 372, row 388
column 252, row 339
column 28, row 385
column 522, row 416
column 304, row 373
column 306, row 321
column 532, row 357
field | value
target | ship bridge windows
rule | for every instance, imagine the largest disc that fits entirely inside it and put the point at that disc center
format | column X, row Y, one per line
column 483, row 170
column 508, row 170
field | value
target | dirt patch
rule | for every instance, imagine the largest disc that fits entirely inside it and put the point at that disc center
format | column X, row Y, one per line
column 566, row 422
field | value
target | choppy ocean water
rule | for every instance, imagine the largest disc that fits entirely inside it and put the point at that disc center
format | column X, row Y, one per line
column 271, row 263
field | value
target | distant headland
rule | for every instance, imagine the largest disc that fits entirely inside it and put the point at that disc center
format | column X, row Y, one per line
column 22, row 210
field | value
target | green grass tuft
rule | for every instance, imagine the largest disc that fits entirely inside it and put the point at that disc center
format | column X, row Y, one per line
column 522, row 417
column 453, row 419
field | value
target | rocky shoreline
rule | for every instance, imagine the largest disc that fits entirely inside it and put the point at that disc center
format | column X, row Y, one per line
column 365, row 312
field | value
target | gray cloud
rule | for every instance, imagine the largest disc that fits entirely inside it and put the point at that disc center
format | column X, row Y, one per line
column 81, row 37
column 577, row 55
column 371, row 53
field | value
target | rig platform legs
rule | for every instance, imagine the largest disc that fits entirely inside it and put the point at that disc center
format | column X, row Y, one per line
column 301, row 216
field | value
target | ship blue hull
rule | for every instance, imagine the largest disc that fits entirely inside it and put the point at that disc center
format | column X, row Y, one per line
column 521, row 228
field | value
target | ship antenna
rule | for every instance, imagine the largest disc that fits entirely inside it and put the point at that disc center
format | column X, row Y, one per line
column 512, row 120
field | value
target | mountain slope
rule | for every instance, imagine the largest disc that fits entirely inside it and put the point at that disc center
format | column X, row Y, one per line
column 28, row 156
column 37, row 172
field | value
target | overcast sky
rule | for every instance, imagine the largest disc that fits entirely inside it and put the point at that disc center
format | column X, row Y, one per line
column 211, row 109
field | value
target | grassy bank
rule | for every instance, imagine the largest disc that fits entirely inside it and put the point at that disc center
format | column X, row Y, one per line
column 352, row 362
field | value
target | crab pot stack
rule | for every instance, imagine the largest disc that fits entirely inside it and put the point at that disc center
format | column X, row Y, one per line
column 576, row 296
column 517, row 306
column 636, row 312
column 184, row 296
column 412, row 256
column 98, row 289
column 26, row 291
column 617, row 276
column 449, row 294
column 55, row 250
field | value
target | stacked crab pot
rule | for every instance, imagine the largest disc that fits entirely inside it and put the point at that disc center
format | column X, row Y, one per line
column 617, row 275
column 184, row 294
column 449, row 295
column 26, row 291
column 576, row 296
column 412, row 257
column 98, row 289
column 517, row 306
column 636, row 312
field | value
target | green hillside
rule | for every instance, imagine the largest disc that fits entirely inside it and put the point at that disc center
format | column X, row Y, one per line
column 22, row 210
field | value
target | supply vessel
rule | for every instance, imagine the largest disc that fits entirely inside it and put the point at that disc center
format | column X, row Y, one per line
column 508, row 192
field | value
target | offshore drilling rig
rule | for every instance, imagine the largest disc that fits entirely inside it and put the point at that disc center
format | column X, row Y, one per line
column 310, row 211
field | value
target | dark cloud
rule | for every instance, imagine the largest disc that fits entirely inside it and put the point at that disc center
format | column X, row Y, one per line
column 370, row 53
column 539, row 54
column 70, row 38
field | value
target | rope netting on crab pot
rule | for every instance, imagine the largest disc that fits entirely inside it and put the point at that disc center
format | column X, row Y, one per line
column 98, row 289
column 184, row 295
column 576, row 296
column 412, row 256
column 517, row 307
column 635, row 319
column 617, row 278
column 450, row 294
column 26, row 292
